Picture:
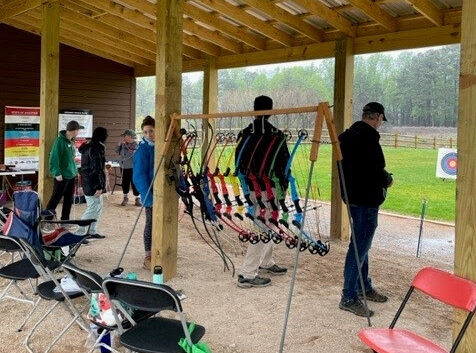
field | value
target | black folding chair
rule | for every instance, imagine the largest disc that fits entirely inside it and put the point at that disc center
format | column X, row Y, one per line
column 155, row 334
column 18, row 271
column 52, row 291
column 90, row 283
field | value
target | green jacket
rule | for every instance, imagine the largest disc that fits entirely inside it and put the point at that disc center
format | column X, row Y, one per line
column 62, row 157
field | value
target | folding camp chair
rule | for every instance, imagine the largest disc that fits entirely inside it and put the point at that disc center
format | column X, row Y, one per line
column 16, row 271
column 25, row 223
column 443, row 286
column 91, row 282
column 51, row 290
column 155, row 334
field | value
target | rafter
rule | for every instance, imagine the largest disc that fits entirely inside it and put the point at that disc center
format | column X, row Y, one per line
column 375, row 12
column 138, row 18
column 249, row 21
column 327, row 14
column 33, row 27
column 16, row 7
column 224, row 26
column 80, row 34
column 429, row 10
column 212, row 36
column 146, row 36
column 207, row 48
column 287, row 18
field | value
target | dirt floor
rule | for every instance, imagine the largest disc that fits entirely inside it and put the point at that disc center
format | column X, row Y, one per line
column 251, row 320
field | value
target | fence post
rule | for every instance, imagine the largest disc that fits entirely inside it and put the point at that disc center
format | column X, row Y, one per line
column 416, row 141
column 451, row 142
column 434, row 142
column 396, row 140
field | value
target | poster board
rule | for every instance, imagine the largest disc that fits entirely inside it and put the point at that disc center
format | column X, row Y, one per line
column 22, row 137
column 447, row 163
column 85, row 118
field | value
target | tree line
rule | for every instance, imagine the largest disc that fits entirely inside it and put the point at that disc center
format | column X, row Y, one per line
column 417, row 88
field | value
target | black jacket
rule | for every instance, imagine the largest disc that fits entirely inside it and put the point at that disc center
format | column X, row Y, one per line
column 93, row 161
column 256, row 129
column 364, row 165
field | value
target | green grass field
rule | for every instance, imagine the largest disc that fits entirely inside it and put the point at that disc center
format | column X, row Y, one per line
column 413, row 171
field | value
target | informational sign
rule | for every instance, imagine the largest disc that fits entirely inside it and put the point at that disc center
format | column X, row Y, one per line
column 447, row 163
column 85, row 119
column 22, row 137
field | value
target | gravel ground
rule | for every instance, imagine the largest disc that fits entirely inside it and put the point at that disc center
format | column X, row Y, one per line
column 251, row 320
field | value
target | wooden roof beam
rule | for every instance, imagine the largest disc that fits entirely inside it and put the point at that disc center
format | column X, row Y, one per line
column 195, row 42
column 138, row 18
column 327, row 14
column 206, row 17
column 81, row 35
column 212, row 36
column 250, row 21
column 28, row 26
column 429, row 10
column 375, row 12
column 287, row 18
column 17, row 7
column 224, row 26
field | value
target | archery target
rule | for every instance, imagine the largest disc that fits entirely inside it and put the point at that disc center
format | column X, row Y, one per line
column 447, row 163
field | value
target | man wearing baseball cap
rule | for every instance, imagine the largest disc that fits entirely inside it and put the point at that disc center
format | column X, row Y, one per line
column 63, row 168
column 366, row 182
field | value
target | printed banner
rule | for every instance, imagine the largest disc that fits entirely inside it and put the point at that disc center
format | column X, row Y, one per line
column 22, row 137
column 85, row 119
column 447, row 163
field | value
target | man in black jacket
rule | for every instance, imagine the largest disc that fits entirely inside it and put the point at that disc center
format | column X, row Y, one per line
column 93, row 176
column 366, row 182
column 260, row 255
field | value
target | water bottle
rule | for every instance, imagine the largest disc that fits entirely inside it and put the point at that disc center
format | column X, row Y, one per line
column 158, row 276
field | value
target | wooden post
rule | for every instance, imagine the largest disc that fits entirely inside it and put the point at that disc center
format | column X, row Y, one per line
column 168, row 100
column 210, row 102
column 434, row 142
column 396, row 140
column 416, row 141
column 451, row 142
column 344, row 78
column 465, row 246
column 49, row 87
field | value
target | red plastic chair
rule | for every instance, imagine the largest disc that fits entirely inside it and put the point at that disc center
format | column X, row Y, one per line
column 443, row 286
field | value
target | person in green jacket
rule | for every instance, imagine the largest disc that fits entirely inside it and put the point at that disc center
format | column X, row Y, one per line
column 63, row 169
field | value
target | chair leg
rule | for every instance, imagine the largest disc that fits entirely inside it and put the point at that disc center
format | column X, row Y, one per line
column 6, row 290
column 57, row 338
column 35, row 306
column 26, row 342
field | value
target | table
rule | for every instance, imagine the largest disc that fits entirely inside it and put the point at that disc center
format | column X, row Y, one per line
column 6, row 186
column 117, row 177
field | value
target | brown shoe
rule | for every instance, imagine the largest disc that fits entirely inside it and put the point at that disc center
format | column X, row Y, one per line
column 147, row 263
column 125, row 201
column 137, row 202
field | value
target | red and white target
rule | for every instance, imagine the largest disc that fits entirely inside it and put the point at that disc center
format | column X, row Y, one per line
column 447, row 163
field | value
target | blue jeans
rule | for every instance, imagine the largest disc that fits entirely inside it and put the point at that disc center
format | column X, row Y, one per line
column 364, row 220
column 93, row 211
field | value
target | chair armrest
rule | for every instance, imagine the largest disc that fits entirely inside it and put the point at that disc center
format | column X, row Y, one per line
column 79, row 222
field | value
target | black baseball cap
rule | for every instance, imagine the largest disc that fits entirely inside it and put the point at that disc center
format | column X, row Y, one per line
column 73, row 125
column 374, row 107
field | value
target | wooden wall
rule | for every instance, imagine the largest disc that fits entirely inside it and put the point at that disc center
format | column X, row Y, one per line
column 86, row 82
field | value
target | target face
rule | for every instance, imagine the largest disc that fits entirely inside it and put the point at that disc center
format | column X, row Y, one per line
column 447, row 164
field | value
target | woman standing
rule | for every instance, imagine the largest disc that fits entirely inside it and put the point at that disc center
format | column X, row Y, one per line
column 93, row 176
column 143, row 175
column 126, row 150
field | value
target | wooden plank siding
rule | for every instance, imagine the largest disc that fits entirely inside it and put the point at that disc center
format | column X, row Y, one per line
column 86, row 82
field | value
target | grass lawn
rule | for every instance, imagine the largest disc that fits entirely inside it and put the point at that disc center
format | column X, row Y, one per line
column 414, row 174
column 413, row 171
